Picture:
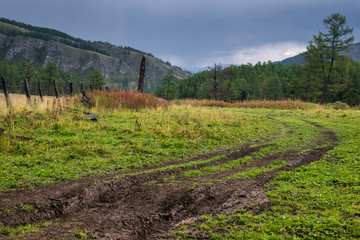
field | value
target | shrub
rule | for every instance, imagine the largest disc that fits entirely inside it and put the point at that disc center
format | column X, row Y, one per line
column 126, row 99
column 338, row 105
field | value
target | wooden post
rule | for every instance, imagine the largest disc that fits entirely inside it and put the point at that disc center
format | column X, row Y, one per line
column 57, row 95
column 6, row 93
column 86, row 100
column 40, row 91
column 71, row 89
column 27, row 90
column 81, row 87
column 142, row 75
column 91, row 88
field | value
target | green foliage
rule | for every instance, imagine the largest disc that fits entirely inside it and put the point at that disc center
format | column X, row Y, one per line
column 85, row 234
column 26, row 208
column 95, row 78
column 340, row 105
column 20, row 230
column 324, row 53
column 16, row 72
column 270, row 81
column 168, row 90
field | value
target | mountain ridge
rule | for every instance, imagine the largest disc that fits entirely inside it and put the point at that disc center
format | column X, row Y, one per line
column 119, row 65
column 353, row 53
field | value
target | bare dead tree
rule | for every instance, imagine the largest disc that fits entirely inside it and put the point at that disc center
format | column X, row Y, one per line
column 71, row 89
column 215, row 84
column 27, row 90
column 142, row 75
column 57, row 95
column 40, row 91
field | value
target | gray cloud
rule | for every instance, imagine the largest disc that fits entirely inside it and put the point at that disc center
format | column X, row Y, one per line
column 187, row 32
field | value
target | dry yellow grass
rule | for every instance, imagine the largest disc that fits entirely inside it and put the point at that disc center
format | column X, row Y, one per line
column 19, row 101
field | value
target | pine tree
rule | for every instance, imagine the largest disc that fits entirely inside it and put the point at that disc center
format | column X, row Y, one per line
column 328, row 46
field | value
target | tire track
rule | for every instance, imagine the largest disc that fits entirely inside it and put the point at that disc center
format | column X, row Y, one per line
column 129, row 209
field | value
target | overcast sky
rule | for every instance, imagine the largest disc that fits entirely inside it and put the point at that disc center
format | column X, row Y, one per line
column 191, row 33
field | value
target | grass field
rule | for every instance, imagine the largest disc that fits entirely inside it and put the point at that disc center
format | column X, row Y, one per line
column 318, row 201
column 186, row 149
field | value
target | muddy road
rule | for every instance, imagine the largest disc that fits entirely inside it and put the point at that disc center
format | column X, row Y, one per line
column 148, row 203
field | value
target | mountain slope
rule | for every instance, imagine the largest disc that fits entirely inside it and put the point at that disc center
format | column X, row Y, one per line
column 354, row 54
column 119, row 65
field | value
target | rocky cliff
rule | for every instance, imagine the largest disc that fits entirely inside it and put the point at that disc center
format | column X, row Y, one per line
column 117, row 64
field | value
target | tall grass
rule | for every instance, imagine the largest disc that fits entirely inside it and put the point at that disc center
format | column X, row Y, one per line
column 273, row 104
column 103, row 100
column 126, row 99
column 20, row 102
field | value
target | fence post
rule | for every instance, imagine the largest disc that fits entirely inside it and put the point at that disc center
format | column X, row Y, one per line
column 27, row 90
column 81, row 87
column 86, row 100
column 56, row 90
column 6, row 93
column 91, row 88
column 71, row 89
column 40, row 91
column 141, row 76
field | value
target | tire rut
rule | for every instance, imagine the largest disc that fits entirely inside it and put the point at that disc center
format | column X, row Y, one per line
column 129, row 208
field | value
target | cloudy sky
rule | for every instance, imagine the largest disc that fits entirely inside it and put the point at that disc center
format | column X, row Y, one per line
column 192, row 34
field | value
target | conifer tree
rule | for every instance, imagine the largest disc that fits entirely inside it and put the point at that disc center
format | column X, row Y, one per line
column 328, row 46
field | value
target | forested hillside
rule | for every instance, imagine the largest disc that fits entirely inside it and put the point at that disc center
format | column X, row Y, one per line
column 119, row 65
column 272, row 81
column 16, row 72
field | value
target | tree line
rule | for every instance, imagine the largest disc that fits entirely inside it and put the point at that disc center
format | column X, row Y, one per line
column 326, row 76
column 15, row 72
column 263, row 81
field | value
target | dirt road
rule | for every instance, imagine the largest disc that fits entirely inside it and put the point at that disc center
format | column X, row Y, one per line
column 148, row 203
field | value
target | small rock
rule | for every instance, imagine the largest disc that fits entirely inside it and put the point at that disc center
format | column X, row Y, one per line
column 92, row 117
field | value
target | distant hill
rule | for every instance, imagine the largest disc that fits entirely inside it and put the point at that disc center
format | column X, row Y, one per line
column 354, row 54
column 119, row 65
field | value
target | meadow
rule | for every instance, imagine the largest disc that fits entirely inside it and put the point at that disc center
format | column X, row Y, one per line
column 270, row 170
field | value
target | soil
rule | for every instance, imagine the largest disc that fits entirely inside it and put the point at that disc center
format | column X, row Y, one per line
column 148, row 205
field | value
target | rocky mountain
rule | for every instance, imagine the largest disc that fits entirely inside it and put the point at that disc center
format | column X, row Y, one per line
column 119, row 65
column 354, row 54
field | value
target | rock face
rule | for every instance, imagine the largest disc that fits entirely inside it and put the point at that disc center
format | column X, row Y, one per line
column 117, row 65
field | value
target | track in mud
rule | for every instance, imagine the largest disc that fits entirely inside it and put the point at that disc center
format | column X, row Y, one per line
column 146, row 205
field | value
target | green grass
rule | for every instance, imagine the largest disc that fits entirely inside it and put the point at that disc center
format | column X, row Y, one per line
column 23, row 229
column 301, row 134
column 218, row 168
column 255, row 172
column 67, row 146
column 317, row 201
column 174, row 166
